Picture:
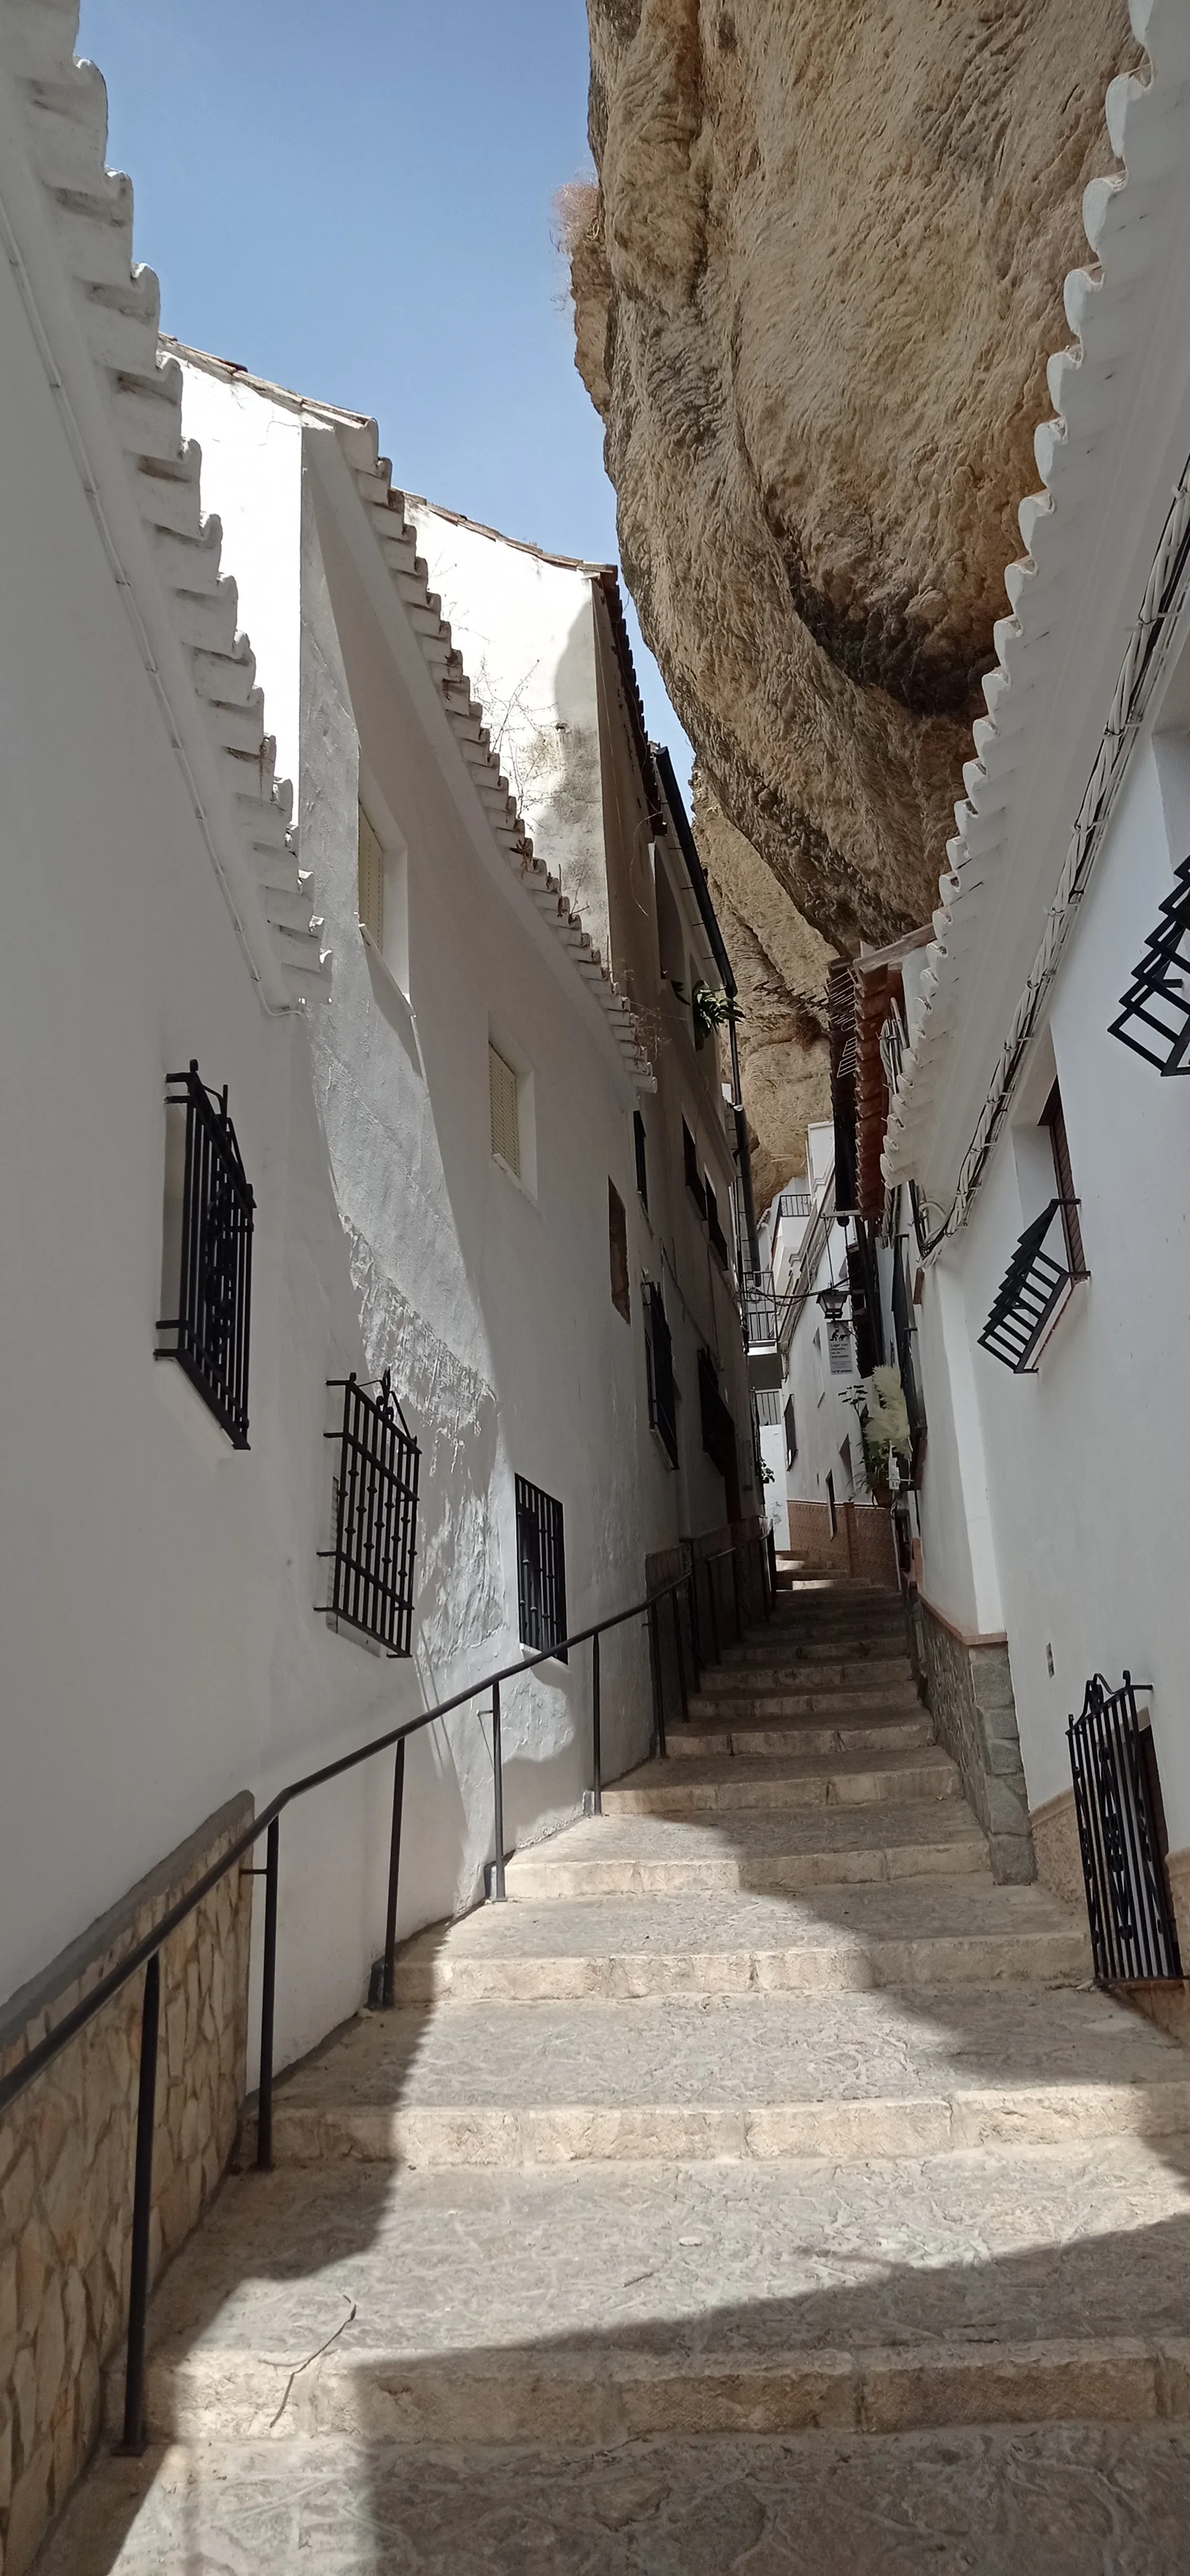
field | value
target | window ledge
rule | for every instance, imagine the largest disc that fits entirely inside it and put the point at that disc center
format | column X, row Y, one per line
column 1072, row 1305
column 517, row 1182
column 375, row 950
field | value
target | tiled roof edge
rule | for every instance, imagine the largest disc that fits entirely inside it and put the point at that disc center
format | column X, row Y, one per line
column 1086, row 385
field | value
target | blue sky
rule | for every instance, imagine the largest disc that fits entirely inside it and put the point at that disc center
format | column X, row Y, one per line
column 356, row 200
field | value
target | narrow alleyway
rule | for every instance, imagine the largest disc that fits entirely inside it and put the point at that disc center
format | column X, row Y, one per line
column 762, row 2188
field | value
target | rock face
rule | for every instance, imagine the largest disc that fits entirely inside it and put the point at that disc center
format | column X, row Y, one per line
column 815, row 293
column 780, row 968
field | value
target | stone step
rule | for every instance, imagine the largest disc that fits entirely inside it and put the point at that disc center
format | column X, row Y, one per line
column 774, row 1698
column 755, row 2076
column 722, row 1784
column 691, row 1738
column 612, row 2302
column 942, row 1933
column 1057, row 2499
column 883, row 1672
column 828, row 1846
column 786, row 1647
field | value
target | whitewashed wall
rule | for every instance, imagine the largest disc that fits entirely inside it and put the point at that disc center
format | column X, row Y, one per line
column 491, row 1302
column 1086, row 1461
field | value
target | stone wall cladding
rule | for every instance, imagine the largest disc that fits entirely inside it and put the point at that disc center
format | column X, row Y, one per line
column 66, row 2156
column 968, row 1688
column 863, row 1542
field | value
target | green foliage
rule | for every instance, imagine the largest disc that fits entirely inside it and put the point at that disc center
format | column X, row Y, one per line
column 713, row 1010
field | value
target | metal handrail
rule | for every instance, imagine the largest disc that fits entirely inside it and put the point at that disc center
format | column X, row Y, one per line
column 146, row 1952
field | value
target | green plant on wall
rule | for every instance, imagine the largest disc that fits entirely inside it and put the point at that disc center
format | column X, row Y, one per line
column 713, row 1010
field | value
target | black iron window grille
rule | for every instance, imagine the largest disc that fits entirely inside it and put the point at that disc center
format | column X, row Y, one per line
column 714, row 1229
column 541, row 1569
column 1121, row 1832
column 641, row 1149
column 659, row 1363
column 1154, row 1015
column 690, row 1168
column 375, row 1515
column 718, row 1429
column 208, row 1261
column 1031, row 1291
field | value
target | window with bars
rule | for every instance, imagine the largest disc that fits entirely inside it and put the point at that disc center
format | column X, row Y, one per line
column 1052, row 1117
column 504, row 1090
column 375, row 1515
column 718, row 1429
column 1029, row 1295
column 617, row 1244
column 659, row 1362
column 690, row 1168
column 207, row 1266
column 714, row 1228
column 790, row 1432
column 541, row 1569
column 371, row 881
column 640, row 1146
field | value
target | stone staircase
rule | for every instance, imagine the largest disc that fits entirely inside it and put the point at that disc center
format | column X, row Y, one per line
column 761, row 2188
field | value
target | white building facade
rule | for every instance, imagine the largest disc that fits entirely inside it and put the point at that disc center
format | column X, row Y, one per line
column 1035, row 1151
column 447, row 1117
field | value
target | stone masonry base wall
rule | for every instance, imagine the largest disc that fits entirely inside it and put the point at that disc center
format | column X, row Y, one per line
column 862, row 1544
column 66, row 2153
column 968, row 1686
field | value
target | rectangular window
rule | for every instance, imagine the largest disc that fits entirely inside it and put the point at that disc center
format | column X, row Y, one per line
column 659, row 1363
column 1053, row 1118
column 207, row 1265
column 714, row 1229
column 790, row 1433
column 371, row 881
column 690, row 1168
column 541, row 1569
column 506, row 1125
column 617, row 1239
column 642, row 1160
column 375, row 1516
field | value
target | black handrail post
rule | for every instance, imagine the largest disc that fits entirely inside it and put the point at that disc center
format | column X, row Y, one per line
column 772, row 1557
column 596, row 1738
column 498, row 1787
column 680, row 1651
column 388, row 1995
column 142, row 2213
column 658, row 1682
column 695, row 1642
column 268, row 2002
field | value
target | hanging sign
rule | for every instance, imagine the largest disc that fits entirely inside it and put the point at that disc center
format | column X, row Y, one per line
column 839, row 1345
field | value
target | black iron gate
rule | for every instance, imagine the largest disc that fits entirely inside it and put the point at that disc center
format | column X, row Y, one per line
column 1118, row 1805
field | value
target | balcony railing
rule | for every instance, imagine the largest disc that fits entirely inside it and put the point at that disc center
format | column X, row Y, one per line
column 1034, row 1285
column 1154, row 1016
column 758, row 1309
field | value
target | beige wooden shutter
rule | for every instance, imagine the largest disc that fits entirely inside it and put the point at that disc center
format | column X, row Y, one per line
column 371, row 880
column 506, row 1133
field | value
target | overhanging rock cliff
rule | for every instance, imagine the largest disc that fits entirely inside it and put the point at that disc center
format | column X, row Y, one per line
column 815, row 294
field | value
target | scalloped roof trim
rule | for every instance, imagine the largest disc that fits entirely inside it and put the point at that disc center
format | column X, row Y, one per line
column 1084, row 383
column 395, row 533
column 63, row 103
